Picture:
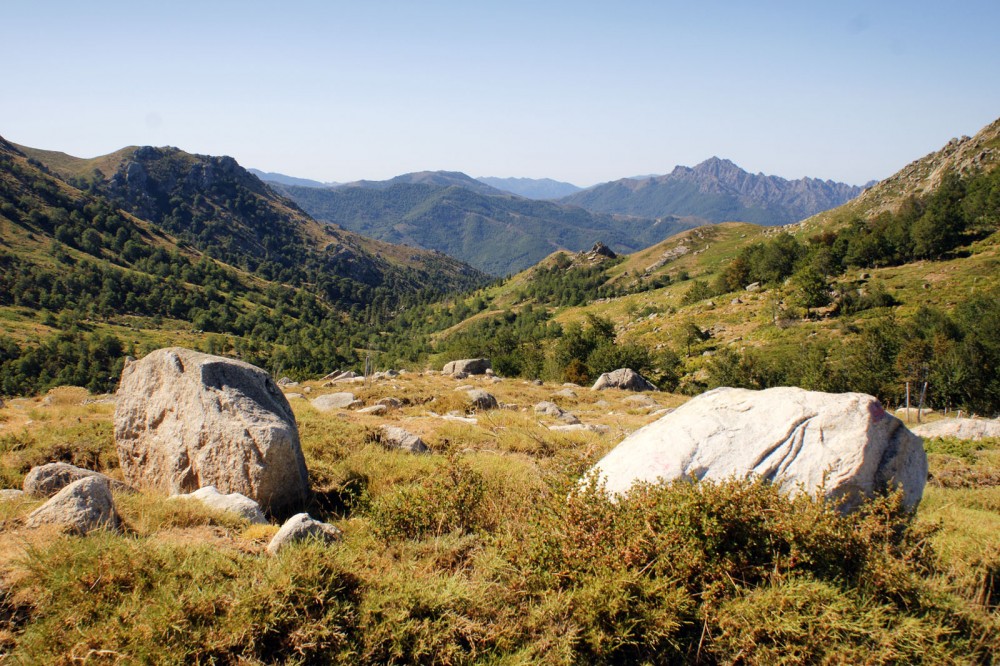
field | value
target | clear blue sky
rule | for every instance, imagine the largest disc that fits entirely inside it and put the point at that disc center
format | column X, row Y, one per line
column 578, row 91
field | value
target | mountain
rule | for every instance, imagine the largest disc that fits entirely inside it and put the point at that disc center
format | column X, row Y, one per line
column 496, row 232
column 431, row 178
column 719, row 191
column 532, row 188
column 282, row 179
column 157, row 246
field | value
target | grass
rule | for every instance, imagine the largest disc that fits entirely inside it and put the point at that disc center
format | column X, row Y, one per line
column 489, row 550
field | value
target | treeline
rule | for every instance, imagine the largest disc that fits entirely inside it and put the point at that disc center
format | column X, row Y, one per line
column 957, row 354
column 565, row 284
column 960, row 210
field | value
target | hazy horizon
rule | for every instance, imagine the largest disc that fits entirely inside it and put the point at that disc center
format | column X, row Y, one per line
column 576, row 93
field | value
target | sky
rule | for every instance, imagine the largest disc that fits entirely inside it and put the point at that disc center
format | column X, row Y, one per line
column 583, row 92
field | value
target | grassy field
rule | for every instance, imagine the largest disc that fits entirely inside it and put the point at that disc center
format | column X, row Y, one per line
column 490, row 550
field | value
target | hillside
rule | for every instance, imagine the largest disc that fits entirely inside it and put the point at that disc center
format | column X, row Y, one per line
column 905, row 291
column 282, row 179
column 167, row 246
column 719, row 191
column 496, row 232
column 532, row 188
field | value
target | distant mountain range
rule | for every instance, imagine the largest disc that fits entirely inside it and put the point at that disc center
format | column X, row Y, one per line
column 719, row 191
column 495, row 231
column 532, row 188
column 271, row 176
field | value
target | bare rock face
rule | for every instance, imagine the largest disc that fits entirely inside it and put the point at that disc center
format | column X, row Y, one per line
column 974, row 429
column 47, row 480
column 623, row 378
column 186, row 420
column 470, row 366
column 845, row 443
column 236, row 503
column 301, row 527
column 81, row 507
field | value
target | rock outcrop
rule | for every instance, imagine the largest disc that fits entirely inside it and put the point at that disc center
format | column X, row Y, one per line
column 470, row 366
column 301, row 527
column 960, row 428
column 236, row 503
column 186, row 420
column 625, row 379
column 79, row 508
column 845, row 444
column 46, row 480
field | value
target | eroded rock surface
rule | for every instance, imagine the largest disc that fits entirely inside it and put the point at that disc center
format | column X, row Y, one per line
column 185, row 420
column 845, row 443
column 81, row 507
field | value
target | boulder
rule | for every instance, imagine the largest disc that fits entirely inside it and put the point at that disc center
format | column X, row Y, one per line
column 623, row 378
column 845, row 444
column 299, row 528
column 470, row 366
column 236, row 503
column 47, row 480
column 974, row 429
column 81, row 507
column 185, row 420
column 481, row 400
column 332, row 401
column 393, row 437
column 548, row 408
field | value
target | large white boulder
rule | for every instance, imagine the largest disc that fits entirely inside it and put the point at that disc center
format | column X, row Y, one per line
column 81, row 507
column 974, row 429
column 845, row 443
column 185, row 420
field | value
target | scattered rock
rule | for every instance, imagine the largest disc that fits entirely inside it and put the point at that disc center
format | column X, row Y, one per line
column 332, row 401
column 236, row 503
column 307, row 390
column 481, row 400
column 548, row 408
column 974, row 429
column 845, row 443
column 286, row 382
column 536, row 382
column 641, row 401
column 464, row 387
column 81, row 507
column 623, row 378
column 576, row 427
column 186, row 420
column 391, row 403
column 392, row 437
column 301, row 527
column 374, row 409
column 11, row 494
column 294, row 396
column 470, row 366
column 911, row 413
column 47, row 480
column 752, row 287
column 571, row 419
column 566, row 393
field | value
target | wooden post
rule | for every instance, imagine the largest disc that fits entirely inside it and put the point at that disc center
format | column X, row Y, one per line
column 923, row 392
column 907, row 402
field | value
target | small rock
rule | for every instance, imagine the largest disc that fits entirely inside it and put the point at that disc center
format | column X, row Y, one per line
column 464, row 387
column 641, row 401
column 623, row 378
column 286, row 382
column 566, row 393
column 307, row 390
column 753, row 286
column 294, row 396
column 577, row 427
column 536, row 382
column 391, row 403
column 11, row 494
column 80, row 507
column 392, row 437
column 571, row 419
column 974, row 429
column 233, row 502
column 374, row 409
column 299, row 528
column 548, row 408
column 47, row 480
column 460, row 375
column 481, row 400
column 332, row 401
column 470, row 366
